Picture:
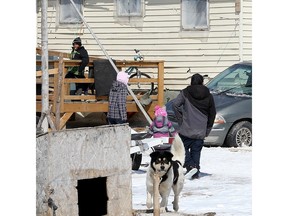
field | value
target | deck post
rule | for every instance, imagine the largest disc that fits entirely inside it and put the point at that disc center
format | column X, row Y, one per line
column 57, row 95
column 55, row 84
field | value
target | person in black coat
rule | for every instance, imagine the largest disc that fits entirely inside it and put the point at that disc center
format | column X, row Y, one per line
column 79, row 53
column 195, row 111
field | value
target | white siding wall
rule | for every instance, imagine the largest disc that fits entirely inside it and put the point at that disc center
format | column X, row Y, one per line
column 159, row 38
column 247, row 30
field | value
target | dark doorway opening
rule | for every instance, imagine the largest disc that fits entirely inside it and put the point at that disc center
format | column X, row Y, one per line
column 92, row 197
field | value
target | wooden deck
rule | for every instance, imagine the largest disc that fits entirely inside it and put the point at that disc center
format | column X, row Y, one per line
column 59, row 89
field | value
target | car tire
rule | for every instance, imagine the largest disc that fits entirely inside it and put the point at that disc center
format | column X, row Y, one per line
column 136, row 161
column 240, row 135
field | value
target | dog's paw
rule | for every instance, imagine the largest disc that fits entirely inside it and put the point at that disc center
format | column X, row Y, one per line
column 149, row 204
column 162, row 210
column 175, row 206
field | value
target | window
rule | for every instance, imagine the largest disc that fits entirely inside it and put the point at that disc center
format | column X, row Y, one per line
column 194, row 15
column 68, row 14
column 236, row 79
column 128, row 8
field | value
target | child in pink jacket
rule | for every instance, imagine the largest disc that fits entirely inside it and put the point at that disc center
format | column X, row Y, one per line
column 161, row 126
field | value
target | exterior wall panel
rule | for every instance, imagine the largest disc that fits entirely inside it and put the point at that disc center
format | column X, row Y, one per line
column 158, row 37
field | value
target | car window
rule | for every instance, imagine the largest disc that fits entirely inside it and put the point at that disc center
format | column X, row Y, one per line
column 236, row 79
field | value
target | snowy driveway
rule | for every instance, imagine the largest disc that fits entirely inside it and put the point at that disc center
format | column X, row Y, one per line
column 224, row 187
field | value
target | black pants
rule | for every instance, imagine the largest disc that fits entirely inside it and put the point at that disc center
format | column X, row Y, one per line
column 193, row 149
column 84, row 86
column 115, row 121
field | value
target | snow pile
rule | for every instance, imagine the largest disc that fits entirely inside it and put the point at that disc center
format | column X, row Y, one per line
column 224, row 187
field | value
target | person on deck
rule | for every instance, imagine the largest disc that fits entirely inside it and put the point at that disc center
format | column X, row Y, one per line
column 195, row 111
column 117, row 111
column 79, row 53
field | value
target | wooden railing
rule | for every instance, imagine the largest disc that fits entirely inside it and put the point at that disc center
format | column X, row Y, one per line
column 59, row 91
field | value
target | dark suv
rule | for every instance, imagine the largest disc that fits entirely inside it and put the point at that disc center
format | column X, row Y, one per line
column 232, row 92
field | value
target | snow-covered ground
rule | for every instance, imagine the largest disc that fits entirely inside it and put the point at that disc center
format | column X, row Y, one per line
column 225, row 186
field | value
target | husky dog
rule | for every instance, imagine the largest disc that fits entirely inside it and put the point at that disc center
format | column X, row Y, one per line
column 168, row 166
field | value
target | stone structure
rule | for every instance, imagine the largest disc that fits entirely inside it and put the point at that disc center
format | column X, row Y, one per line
column 84, row 171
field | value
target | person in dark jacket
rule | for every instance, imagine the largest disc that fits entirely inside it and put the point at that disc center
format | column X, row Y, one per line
column 195, row 111
column 79, row 53
column 117, row 111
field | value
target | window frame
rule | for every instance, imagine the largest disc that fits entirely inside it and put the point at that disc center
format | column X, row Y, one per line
column 63, row 23
column 196, row 28
column 118, row 14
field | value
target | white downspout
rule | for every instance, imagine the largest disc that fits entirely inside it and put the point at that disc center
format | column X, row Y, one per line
column 241, row 31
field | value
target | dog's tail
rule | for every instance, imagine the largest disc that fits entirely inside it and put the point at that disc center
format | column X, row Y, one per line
column 178, row 150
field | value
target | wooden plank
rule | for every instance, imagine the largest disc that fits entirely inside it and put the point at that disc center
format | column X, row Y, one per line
column 94, row 107
column 38, row 49
column 59, row 84
column 79, row 97
column 63, row 54
column 101, row 107
column 39, row 97
column 146, row 63
column 38, row 106
column 93, row 97
column 50, row 72
column 68, row 61
column 143, row 80
column 56, row 90
column 53, row 53
column 50, row 63
column 56, row 53
column 39, row 80
column 64, row 91
column 39, row 73
column 64, row 119
column 76, row 80
column 88, row 107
